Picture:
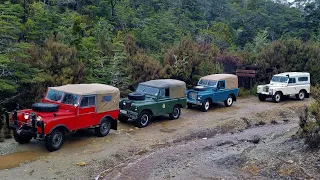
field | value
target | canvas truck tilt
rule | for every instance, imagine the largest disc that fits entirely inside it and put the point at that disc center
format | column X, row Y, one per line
column 66, row 109
column 154, row 98
column 285, row 85
column 212, row 89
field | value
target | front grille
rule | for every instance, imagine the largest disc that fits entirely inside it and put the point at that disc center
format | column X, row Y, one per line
column 193, row 95
column 126, row 104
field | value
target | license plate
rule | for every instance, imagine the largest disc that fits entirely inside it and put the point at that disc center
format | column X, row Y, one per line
column 123, row 112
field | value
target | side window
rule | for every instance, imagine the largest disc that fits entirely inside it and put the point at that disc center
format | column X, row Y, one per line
column 301, row 79
column 162, row 93
column 292, row 80
column 221, row 84
column 167, row 93
column 88, row 101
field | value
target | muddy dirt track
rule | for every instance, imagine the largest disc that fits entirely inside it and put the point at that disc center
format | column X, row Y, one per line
column 213, row 145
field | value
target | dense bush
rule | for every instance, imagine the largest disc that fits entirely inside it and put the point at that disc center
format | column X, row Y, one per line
column 310, row 121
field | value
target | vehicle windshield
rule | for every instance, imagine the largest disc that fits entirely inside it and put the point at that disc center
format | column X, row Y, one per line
column 65, row 98
column 280, row 79
column 205, row 82
column 148, row 90
column 71, row 99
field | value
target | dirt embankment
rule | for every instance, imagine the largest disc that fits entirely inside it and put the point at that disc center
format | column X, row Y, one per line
column 250, row 139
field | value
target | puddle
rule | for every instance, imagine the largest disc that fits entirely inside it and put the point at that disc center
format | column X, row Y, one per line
column 15, row 159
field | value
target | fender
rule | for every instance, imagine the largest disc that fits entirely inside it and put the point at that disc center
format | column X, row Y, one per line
column 114, row 122
column 59, row 125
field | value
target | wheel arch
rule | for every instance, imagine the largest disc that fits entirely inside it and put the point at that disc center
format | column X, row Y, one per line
column 234, row 98
column 114, row 122
column 60, row 126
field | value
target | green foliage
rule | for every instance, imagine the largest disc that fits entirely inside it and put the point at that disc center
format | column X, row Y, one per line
column 310, row 121
column 49, row 43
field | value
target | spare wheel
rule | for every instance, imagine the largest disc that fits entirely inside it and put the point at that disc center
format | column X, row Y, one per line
column 45, row 107
column 136, row 96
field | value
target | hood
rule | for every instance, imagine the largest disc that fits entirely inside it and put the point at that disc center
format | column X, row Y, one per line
column 277, row 84
column 147, row 100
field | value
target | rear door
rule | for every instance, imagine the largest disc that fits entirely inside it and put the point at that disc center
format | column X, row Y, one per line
column 87, row 111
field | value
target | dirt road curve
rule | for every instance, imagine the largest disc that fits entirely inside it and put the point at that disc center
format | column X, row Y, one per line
column 189, row 147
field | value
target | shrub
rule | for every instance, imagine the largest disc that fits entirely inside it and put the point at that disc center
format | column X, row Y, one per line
column 310, row 121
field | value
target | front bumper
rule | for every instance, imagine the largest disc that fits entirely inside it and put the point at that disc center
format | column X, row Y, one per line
column 26, row 129
column 189, row 101
column 128, row 113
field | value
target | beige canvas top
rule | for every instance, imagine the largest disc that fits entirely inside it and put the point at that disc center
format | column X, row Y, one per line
column 164, row 83
column 177, row 88
column 86, row 89
column 107, row 96
column 231, row 80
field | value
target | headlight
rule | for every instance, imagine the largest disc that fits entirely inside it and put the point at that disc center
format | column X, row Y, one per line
column 199, row 97
column 26, row 116
column 136, row 109
column 39, row 118
column 124, row 103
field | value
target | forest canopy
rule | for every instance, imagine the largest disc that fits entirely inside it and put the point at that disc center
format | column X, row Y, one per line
column 123, row 42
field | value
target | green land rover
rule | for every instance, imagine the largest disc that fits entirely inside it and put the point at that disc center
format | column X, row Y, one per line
column 154, row 98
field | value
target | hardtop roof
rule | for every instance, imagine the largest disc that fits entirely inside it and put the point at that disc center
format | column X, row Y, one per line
column 86, row 89
column 293, row 74
column 164, row 83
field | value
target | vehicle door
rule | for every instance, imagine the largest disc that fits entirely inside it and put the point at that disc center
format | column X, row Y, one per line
column 292, row 86
column 164, row 104
column 221, row 93
column 87, row 111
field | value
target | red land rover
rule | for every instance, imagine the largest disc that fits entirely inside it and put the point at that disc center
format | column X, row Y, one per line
column 65, row 109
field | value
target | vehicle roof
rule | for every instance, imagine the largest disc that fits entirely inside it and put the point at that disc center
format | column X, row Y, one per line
column 86, row 89
column 217, row 77
column 164, row 83
column 293, row 74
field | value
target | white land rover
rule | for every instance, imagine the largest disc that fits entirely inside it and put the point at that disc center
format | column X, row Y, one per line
column 285, row 85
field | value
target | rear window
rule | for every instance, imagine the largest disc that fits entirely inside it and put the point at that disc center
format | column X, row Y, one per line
column 302, row 79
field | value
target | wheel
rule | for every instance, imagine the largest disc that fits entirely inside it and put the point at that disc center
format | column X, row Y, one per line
column 276, row 97
column 189, row 106
column 301, row 95
column 21, row 139
column 55, row 140
column 143, row 119
column 262, row 97
column 229, row 101
column 175, row 113
column 123, row 119
column 205, row 105
column 103, row 129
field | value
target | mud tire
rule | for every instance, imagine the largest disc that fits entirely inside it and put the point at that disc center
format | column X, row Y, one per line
column 175, row 112
column 55, row 140
column 143, row 119
column 262, row 97
column 123, row 119
column 104, row 128
column 205, row 105
column 20, row 139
